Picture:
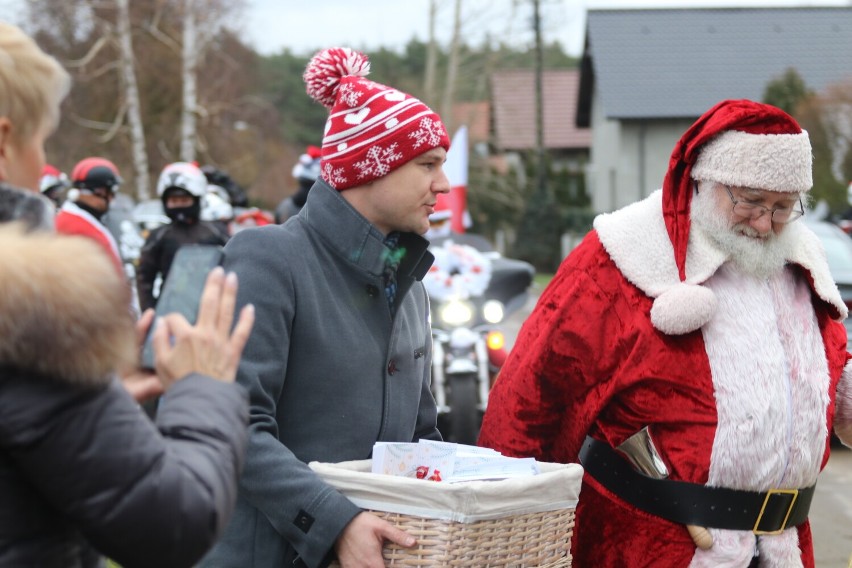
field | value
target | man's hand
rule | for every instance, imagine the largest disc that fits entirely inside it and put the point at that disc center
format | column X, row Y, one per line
column 360, row 544
column 141, row 384
column 208, row 347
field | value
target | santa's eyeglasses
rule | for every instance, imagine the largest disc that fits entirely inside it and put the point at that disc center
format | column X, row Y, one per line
column 753, row 211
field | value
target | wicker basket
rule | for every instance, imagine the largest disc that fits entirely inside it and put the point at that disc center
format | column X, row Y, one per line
column 521, row 522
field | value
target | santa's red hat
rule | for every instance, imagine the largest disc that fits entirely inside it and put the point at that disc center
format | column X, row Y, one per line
column 52, row 177
column 740, row 143
column 372, row 129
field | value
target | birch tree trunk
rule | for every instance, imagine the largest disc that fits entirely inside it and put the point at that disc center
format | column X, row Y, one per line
column 431, row 56
column 452, row 70
column 190, row 90
column 134, row 110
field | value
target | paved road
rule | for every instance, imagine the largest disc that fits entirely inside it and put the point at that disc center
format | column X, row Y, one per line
column 831, row 510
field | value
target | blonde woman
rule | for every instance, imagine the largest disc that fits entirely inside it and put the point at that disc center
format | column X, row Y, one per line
column 80, row 464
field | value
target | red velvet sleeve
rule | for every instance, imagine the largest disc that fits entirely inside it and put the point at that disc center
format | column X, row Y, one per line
column 553, row 384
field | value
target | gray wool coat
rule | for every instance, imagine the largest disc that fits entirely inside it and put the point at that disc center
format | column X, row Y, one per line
column 329, row 372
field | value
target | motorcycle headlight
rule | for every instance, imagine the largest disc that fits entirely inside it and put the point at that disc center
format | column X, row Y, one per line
column 456, row 312
column 492, row 311
column 496, row 340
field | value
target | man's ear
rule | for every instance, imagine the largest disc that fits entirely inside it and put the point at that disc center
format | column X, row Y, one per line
column 5, row 145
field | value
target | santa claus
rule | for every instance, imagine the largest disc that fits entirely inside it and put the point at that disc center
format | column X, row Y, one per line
column 706, row 317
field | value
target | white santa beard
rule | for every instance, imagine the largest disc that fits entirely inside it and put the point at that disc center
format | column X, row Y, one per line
column 759, row 256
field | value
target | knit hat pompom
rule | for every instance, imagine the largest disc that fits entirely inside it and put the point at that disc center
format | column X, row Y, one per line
column 683, row 308
column 327, row 67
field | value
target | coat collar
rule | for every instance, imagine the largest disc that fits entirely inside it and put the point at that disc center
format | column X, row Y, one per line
column 354, row 238
column 635, row 238
column 33, row 209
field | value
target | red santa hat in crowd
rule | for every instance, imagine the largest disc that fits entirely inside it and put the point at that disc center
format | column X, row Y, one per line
column 372, row 129
column 738, row 143
column 52, row 177
column 308, row 165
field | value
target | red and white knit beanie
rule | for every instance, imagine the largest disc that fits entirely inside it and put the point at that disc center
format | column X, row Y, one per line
column 739, row 143
column 372, row 129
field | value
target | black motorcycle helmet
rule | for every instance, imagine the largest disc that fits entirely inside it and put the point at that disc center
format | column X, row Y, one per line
column 95, row 173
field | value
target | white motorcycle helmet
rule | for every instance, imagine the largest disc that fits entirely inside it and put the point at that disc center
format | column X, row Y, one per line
column 182, row 175
column 215, row 208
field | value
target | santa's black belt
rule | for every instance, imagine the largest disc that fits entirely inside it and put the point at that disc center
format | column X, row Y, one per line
column 687, row 503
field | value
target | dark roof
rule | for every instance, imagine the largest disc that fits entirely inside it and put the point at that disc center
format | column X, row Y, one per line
column 513, row 110
column 677, row 63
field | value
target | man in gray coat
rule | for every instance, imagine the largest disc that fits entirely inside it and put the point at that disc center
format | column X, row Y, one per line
column 340, row 355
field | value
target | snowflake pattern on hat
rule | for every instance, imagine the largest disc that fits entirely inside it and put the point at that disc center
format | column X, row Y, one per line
column 332, row 176
column 349, row 95
column 372, row 129
column 378, row 162
column 429, row 133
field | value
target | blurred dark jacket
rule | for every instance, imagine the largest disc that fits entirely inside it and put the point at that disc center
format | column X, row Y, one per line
column 79, row 461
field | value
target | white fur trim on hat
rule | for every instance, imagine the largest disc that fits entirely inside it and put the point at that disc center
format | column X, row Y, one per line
column 683, row 308
column 777, row 162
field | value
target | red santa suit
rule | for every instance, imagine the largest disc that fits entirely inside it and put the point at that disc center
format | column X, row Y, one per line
column 74, row 220
column 738, row 391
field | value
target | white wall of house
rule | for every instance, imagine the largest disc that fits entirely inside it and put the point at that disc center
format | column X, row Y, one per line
column 628, row 158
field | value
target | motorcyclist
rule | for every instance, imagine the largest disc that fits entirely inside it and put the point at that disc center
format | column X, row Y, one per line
column 216, row 208
column 94, row 183
column 306, row 171
column 181, row 187
column 236, row 195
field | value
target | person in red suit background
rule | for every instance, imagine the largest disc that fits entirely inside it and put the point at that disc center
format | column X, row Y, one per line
column 94, row 182
column 705, row 316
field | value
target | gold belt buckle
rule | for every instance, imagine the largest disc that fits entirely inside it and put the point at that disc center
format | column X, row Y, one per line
column 793, row 492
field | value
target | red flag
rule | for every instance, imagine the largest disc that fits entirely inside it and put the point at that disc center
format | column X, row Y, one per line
column 456, row 169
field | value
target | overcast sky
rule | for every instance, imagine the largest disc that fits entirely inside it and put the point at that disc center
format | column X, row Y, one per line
column 306, row 25
column 302, row 26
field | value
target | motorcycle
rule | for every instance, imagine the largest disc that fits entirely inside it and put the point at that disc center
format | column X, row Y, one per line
column 471, row 291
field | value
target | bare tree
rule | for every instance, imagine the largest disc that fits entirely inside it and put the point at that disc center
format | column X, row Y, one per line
column 431, row 55
column 134, row 110
column 190, row 92
column 452, row 68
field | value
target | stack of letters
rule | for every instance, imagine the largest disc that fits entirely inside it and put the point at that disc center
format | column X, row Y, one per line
column 448, row 462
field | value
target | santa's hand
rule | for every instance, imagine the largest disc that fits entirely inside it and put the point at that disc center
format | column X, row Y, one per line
column 731, row 549
column 700, row 536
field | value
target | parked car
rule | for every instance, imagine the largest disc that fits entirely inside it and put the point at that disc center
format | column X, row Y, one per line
column 148, row 215
column 838, row 250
